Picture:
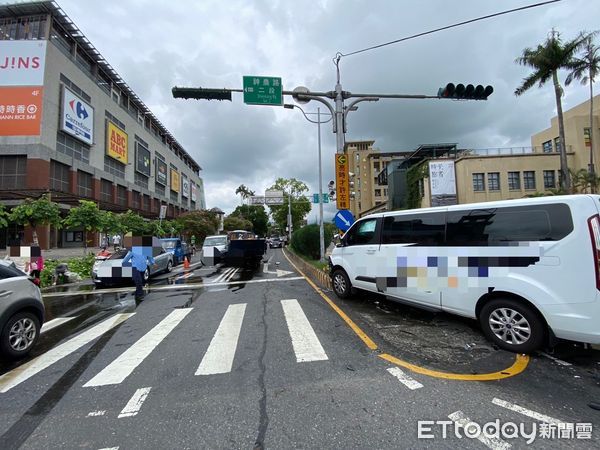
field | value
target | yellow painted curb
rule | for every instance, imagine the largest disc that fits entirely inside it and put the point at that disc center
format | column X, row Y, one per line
column 520, row 364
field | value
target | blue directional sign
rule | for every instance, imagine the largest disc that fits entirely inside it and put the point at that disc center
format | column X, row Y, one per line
column 344, row 219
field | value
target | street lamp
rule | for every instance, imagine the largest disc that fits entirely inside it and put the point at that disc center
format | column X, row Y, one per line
column 318, row 122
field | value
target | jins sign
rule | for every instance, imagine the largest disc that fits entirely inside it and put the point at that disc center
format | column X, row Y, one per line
column 22, row 63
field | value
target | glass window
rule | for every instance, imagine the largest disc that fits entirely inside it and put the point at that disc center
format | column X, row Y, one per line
column 377, row 192
column 84, row 184
column 59, row 177
column 159, row 189
column 363, row 233
column 106, row 191
column 174, row 196
column 141, row 180
column 478, row 182
column 547, row 147
column 514, row 181
column 72, row 147
column 496, row 226
column 136, row 199
column 12, row 172
column 529, row 179
column 494, row 181
column 557, row 144
column 114, row 167
column 423, row 229
column 122, row 195
column 549, row 179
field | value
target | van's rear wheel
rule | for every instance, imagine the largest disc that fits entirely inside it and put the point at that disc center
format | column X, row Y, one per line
column 512, row 325
column 341, row 284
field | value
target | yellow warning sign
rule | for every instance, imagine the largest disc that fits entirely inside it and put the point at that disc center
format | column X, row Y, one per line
column 342, row 182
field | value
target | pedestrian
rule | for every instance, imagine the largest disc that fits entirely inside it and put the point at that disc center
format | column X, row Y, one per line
column 116, row 241
column 139, row 264
column 193, row 242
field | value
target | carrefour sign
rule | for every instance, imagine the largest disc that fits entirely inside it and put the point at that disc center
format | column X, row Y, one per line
column 77, row 117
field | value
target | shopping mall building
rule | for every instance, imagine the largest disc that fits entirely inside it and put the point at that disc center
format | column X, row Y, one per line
column 72, row 128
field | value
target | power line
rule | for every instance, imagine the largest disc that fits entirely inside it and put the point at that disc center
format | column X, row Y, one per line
column 339, row 54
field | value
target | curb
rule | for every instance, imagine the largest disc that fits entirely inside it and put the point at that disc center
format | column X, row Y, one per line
column 320, row 277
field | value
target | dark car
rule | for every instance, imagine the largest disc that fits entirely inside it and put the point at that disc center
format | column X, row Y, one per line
column 275, row 242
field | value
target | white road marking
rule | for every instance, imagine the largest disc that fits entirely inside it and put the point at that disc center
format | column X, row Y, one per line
column 96, row 413
column 29, row 369
column 224, row 275
column 231, row 275
column 555, row 359
column 55, row 323
column 526, row 412
column 494, row 443
column 134, row 404
column 110, row 448
column 125, row 364
column 221, row 350
column 184, row 276
column 304, row 340
column 407, row 381
column 170, row 287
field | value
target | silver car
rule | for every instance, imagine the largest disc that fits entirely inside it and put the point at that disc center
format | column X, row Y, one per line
column 111, row 271
column 21, row 311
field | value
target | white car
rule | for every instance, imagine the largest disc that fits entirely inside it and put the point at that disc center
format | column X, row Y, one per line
column 214, row 248
column 528, row 269
column 111, row 271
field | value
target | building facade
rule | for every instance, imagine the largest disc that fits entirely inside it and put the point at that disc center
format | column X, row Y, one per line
column 72, row 128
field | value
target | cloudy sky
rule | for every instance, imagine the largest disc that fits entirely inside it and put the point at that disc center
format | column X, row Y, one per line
column 158, row 44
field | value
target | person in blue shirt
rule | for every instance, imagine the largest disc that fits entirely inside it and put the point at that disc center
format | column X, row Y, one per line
column 139, row 264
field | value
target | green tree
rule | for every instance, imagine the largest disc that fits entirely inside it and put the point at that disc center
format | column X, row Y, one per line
column 32, row 213
column 293, row 190
column 546, row 60
column 172, row 228
column 255, row 214
column 198, row 223
column 87, row 216
column 586, row 68
column 110, row 222
column 132, row 222
column 236, row 223
column 3, row 217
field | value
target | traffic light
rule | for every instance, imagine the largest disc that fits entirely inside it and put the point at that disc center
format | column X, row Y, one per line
column 468, row 92
column 331, row 188
column 201, row 93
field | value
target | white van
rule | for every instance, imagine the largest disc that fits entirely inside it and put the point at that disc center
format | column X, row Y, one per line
column 527, row 269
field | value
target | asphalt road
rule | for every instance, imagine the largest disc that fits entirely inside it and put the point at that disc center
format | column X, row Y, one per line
column 219, row 357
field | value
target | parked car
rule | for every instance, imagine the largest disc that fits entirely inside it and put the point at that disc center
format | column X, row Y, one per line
column 178, row 248
column 21, row 311
column 111, row 271
column 527, row 269
column 214, row 249
column 275, row 242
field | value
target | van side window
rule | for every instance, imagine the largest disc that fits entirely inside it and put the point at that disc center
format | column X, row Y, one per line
column 425, row 229
column 497, row 226
column 363, row 233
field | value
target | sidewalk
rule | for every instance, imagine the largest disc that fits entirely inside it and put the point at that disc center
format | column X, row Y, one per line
column 63, row 253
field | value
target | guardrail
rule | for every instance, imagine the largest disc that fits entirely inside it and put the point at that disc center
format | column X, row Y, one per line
column 318, row 276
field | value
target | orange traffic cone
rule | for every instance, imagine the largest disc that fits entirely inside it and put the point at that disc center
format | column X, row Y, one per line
column 186, row 263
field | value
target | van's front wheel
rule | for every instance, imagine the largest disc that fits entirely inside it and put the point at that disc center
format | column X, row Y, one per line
column 341, row 284
column 513, row 326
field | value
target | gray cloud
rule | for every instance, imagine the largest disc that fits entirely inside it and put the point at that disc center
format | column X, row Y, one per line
column 155, row 45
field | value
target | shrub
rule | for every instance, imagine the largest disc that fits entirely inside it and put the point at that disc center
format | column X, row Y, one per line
column 306, row 240
column 82, row 266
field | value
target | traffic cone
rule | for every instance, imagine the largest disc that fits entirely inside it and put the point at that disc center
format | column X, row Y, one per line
column 186, row 263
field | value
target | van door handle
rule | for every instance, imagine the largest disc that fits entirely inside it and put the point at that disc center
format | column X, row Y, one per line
column 370, row 251
column 5, row 293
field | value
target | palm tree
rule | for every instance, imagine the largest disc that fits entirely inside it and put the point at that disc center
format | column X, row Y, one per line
column 244, row 192
column 546, row 60
column 586, row 69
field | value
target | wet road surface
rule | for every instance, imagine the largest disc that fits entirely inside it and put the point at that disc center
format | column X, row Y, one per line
column 221, row 357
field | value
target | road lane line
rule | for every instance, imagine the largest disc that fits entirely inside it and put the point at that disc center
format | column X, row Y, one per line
column 494, row 443
column 29, row 369
column 221, row 350
column 555, row 359
column 526, row 412
column 171, row 287
column 407, row 381
column 304, row 340
column 55, row 323
column 96, row 413
column 135, row 403
column 125, row 364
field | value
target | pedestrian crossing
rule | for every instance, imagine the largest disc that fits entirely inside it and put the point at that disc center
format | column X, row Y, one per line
column 218, row 359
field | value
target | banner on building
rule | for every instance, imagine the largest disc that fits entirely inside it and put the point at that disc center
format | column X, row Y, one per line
column 161, row 171
column 116, row 142
column 142, row 159
column 442, row 181
column 175, row 183
column 20, row 111
column 22, row 62
column 77, row 117
column 194, row 192
column 185, row 186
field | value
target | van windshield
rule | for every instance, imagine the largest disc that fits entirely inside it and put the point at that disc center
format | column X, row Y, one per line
column 168, row 245
column 213, row 241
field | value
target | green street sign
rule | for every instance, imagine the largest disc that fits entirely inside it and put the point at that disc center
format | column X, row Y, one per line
column 316, row 198
column 262, row 91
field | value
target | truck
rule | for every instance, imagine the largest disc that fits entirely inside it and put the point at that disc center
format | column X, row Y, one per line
column 244, row 249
